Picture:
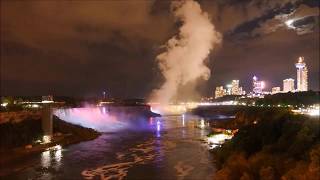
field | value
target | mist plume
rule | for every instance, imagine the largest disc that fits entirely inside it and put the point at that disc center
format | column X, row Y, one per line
column 183, row 62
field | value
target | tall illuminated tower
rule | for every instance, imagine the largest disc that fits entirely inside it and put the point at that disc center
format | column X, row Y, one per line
column 302, row 75
column 257, row 85
column 235, row 87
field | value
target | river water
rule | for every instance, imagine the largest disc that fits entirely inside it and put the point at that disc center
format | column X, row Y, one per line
column 168, row 147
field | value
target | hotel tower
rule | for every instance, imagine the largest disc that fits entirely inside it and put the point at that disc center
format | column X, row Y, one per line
column 302, row 75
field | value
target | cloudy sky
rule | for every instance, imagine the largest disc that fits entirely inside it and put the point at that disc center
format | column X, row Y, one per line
column 81, row 48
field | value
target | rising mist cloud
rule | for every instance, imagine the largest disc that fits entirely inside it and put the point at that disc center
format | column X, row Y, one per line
column 183, row 61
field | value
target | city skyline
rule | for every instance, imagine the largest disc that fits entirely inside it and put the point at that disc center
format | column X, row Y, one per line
column 300, row 83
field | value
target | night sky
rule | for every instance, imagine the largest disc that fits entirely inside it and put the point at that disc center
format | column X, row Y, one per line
column 81, row 48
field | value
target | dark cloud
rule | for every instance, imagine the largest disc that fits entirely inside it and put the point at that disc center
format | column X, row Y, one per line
column 85, row 47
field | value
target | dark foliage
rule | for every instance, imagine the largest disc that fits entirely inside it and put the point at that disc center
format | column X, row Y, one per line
column 19, row 134
column 270, row 140
column 296, row 99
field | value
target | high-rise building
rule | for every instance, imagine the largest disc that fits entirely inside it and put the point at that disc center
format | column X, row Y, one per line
column 257, row 85
column 241, row 91
column 275, row 90
column 228, row 90
column 302, row 75
column 235, row 87
column 220, row 92
column 288, row 85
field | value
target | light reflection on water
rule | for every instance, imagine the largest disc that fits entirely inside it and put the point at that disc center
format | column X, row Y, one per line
column 183, row 120
column 50, row 156
column 158, row 128
column 162, row 148
column 177, row 149
column 45, row 159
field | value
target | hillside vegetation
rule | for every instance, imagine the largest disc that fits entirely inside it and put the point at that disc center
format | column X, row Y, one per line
column 271, row 144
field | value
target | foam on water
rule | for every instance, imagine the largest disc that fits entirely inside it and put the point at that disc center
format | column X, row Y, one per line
column 139, row 154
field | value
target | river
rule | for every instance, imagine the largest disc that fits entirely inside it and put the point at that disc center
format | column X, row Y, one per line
column 168, row 147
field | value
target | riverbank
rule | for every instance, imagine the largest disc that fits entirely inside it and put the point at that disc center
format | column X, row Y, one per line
column 215, row 112
column 23, row 139
column 271, row 143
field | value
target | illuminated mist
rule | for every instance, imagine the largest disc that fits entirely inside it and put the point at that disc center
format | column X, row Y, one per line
column 183, row 62
column 102, row 119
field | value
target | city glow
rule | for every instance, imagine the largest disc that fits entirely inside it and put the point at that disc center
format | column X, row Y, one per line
column 313, row 110
column 45, row 101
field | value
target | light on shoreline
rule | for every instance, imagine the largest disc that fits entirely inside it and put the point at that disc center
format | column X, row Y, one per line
column 218, row 139
column 202, row 125
column 313, row 110
column 46, row 139
column 4, row 104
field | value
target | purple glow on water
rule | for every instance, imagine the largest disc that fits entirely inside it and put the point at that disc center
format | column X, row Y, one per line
column 151, row 121
column 158, row 128
column 104, row 111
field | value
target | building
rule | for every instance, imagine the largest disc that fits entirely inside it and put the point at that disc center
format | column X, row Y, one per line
column 241, row 91
column 228, row 90
column 47, row 99
column 257, row 85
column 275, row 90
column 288, row 85
column 46, row 122
column 302, row 75
column 235, row 87
column 220, row 92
